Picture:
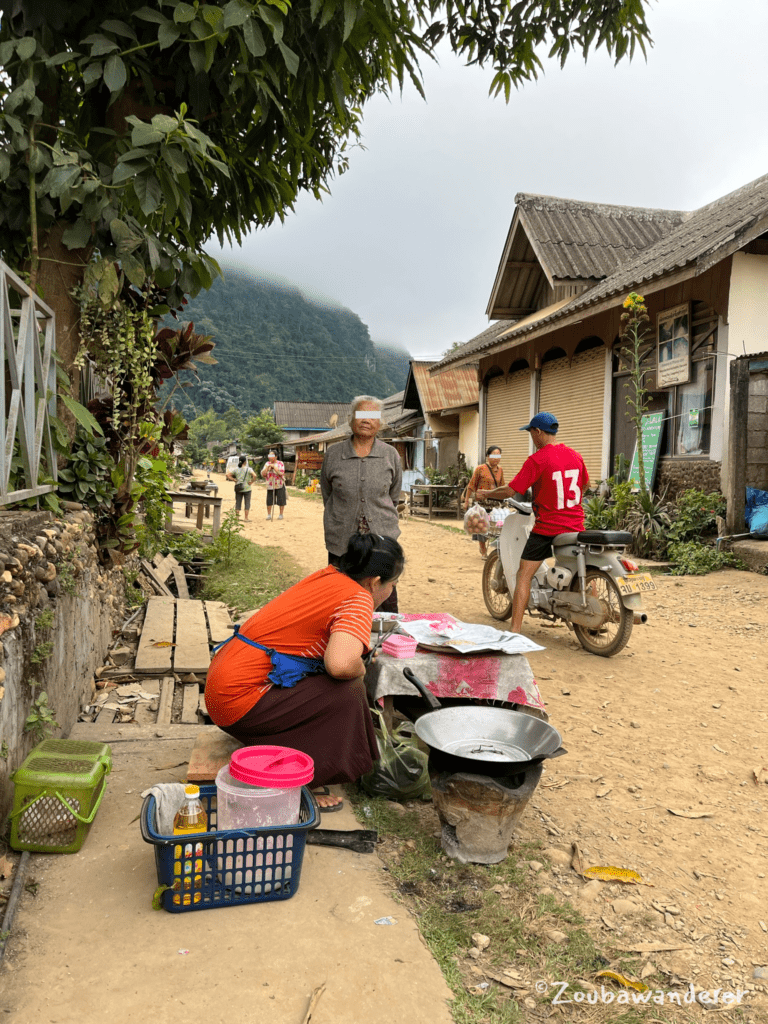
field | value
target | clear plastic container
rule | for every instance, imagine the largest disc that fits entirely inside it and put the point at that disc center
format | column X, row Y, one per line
column 241, row 805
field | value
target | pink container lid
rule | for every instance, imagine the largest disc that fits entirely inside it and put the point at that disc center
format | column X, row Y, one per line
column 272, row 767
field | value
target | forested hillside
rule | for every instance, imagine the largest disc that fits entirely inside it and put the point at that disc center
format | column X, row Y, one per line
column 273, row 343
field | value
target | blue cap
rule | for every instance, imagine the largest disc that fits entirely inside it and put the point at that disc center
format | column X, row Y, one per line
column 543, row 421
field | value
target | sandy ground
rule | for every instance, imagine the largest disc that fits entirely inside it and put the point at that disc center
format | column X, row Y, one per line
column 663, row 740
column 675, row 723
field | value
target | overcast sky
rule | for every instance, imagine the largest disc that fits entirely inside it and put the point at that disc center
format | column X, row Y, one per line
column 411, row 236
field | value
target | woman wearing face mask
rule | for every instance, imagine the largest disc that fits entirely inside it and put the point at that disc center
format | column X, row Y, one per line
column 486, row 477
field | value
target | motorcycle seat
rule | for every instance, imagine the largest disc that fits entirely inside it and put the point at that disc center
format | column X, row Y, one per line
column 613, row 537
column 563, row 539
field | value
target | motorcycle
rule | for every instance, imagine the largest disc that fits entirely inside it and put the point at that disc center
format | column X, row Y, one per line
column 591, row 584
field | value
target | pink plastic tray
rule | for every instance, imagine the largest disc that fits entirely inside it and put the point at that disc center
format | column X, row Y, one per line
column 399, row 646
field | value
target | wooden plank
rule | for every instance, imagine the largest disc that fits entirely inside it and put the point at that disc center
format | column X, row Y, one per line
column 191, row 698
column 191, row 653
column 144, row 714
column 158, row 626
column 213, row 748
column 165, row 566
column 154, row 579
column 165, row 707
column 219, row 622
column 181, row 583
column 201, row 705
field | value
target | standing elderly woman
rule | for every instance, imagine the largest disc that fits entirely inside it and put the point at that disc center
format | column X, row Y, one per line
column 486, row 477
column 360, row 483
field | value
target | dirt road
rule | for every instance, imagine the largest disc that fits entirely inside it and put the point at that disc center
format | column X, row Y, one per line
column 663, row 742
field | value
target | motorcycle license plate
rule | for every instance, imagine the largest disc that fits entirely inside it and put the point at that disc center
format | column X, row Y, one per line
column 635, row 583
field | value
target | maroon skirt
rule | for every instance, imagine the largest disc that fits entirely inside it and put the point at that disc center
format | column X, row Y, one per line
column 324, row 717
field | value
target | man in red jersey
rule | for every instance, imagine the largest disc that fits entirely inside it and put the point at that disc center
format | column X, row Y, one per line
column 558, row 478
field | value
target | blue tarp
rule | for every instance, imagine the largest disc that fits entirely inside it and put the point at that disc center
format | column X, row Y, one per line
column 756, row 512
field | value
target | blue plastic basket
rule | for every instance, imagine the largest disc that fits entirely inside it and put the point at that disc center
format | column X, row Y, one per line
column 222, row 869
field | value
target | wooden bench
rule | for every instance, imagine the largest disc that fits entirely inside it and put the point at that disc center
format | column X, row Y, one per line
column 196, row 499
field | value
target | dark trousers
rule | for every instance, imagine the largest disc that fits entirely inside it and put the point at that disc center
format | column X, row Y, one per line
column 390, row 605
column 324, row 717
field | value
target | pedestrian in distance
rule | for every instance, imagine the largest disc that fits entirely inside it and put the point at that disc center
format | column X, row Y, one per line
column 558, row 478
column 274, row 474
column 360, row 482
column 485, row 477
column 243, row 477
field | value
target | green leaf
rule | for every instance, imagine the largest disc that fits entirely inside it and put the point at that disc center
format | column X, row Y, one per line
column 14, row 123
column 291, row 59
column 234, row 14
column 168, row 34
column 145, row 135
column 148, row 193
column 61, row 58
column 109, row 285
column 101, row 44
column 254, row 40
column 6, row 51
column 5, row 165
column 134, row 270
column 197, row 56
column 183, row 14
column 77, row 235
column 154, row 253
column 164, row 123
column 26, row 47
column 350, row 15
column 119, row 28
column 147, row 14
column 125, row 170
column 93, row 72
column 115, row 75
column 81, row 414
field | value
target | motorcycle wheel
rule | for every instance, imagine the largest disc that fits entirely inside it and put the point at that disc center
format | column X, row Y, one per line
column 498, row 603
column 613, row 635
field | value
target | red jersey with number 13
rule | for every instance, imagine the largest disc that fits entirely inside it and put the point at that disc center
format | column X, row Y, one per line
column 559, row 478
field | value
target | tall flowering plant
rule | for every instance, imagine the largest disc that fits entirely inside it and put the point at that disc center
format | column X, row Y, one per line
column 634, row 333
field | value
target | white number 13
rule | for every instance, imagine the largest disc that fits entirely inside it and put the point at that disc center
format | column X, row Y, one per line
column 574, row 491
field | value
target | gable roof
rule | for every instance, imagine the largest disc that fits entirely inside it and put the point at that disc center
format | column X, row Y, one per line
column 451, row 390
column 702, row 238
column 308, row 415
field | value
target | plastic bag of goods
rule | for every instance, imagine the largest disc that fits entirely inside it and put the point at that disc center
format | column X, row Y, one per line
column 497, row 517
column 401, row 772
column 476, row 520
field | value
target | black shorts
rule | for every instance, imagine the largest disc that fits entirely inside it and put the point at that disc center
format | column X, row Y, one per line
column 276, row 497
column 537, row 548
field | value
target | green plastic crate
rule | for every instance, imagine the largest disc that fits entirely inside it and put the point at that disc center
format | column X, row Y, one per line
column 58, row 789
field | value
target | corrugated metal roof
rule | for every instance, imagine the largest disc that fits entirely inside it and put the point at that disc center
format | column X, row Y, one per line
column 448, row 391
column 308, row 415
column 703, row 238
column 578, row 240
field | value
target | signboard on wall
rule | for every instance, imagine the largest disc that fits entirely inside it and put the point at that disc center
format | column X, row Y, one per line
column 653, row 430
column 673, row 339
column 306, row 460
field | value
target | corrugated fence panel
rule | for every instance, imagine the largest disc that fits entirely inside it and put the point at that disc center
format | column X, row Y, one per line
column 574, row 393
column 507, row 409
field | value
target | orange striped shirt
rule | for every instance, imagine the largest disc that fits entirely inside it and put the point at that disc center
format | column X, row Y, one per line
column 297, row 622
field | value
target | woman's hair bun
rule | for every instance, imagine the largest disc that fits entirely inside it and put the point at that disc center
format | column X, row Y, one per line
column 369, row 555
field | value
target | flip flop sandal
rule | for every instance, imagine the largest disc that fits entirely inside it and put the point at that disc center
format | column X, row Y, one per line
column 325, row 791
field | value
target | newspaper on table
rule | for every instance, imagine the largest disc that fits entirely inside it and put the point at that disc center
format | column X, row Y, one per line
column 466, row 637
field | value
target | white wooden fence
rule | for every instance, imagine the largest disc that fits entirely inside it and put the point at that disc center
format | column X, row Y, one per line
column 28, row 391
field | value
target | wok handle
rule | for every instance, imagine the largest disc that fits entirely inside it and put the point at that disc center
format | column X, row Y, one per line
column 430, row 698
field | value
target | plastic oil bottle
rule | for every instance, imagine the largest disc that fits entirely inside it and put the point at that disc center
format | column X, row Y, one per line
column 188, row 857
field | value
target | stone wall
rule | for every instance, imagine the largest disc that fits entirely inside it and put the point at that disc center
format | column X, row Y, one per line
column 681, row 474
column 757, row 431
column 58, row 607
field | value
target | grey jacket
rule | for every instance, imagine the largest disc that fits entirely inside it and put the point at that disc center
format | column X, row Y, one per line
column 352, row 485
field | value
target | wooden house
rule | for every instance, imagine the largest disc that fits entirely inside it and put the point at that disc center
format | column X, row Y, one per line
column 556, row 302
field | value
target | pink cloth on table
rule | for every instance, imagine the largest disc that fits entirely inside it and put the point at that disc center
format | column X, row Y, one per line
column 476, row 676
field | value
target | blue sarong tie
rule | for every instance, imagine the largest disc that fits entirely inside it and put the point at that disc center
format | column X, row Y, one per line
column 287, row 669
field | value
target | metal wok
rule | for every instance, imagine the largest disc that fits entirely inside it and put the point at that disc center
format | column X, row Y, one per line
column 483, row 740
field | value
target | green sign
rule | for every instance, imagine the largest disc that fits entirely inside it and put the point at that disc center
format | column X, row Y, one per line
column 653, row 428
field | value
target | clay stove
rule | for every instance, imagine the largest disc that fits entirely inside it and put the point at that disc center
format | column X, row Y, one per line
column 478, row 814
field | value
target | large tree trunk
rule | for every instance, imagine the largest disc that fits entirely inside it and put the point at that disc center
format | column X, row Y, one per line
column 60, row 271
